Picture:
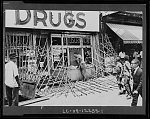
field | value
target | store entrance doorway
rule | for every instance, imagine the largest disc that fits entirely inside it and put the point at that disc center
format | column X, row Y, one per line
column 72, row 51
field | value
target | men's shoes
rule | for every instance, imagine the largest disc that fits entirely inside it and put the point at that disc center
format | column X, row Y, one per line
column 123, row 92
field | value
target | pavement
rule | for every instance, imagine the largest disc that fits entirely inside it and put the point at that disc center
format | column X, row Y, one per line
column 95, row 95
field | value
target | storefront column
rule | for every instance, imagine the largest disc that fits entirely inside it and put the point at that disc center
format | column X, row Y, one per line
column 52, row 60
column 81, row 42
column 98, row 47
column 94, row 54
column 68, row 51
column 48, row 57
column 62, row 42
column 103, row 54
column 97, row 54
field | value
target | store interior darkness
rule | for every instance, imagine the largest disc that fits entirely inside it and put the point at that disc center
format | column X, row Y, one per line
column 115, row 40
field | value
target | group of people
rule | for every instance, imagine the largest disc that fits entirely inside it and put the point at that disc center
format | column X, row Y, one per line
column 129, row 77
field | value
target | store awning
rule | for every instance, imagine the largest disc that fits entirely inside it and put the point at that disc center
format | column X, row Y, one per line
column 129, row 34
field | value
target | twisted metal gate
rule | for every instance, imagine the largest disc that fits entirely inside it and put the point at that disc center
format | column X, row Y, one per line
column 36, row 64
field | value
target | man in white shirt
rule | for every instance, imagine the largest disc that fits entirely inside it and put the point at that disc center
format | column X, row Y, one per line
column 12, row 81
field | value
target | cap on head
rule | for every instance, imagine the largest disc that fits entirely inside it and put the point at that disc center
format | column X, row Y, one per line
column 12, row 56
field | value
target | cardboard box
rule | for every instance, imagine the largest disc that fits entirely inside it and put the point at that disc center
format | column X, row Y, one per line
column 28, row 89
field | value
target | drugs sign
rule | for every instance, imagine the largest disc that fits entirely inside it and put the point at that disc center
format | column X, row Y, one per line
column 53, row 19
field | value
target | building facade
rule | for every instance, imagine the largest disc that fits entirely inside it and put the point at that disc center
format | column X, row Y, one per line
column 44, row 43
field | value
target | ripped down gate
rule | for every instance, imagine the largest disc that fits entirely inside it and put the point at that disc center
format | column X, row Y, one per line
column 44, row 73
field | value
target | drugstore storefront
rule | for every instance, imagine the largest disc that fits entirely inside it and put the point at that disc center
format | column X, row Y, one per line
column 45, row 41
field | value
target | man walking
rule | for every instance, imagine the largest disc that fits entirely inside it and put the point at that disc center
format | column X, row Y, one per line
column 137, row 81
column 12, row 81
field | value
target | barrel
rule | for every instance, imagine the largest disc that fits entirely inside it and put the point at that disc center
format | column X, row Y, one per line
column 74, row 74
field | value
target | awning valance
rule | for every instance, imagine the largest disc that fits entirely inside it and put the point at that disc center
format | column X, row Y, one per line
column 129, row 34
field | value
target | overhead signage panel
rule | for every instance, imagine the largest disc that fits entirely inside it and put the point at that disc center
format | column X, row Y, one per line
column 53, row 19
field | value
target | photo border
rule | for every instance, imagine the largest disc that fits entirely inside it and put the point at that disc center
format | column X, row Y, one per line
column 124, row 110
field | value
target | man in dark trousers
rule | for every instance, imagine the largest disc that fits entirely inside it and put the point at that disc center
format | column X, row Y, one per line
column 12, row 81
column 137, row 81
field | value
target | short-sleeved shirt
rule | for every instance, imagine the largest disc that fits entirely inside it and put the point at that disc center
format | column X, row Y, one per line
column 11, row 71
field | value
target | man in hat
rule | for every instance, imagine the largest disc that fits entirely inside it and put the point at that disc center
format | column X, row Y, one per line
column 12, row 81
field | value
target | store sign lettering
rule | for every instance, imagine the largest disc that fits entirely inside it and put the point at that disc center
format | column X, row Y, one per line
column 73, row 40
column 68, row 19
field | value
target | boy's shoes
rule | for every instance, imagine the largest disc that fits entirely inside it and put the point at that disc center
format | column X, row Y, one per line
column 124, row 91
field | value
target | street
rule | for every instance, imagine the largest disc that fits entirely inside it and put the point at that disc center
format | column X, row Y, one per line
column 92, row 95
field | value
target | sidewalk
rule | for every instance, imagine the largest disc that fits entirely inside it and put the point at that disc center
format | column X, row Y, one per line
column 110, row 98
